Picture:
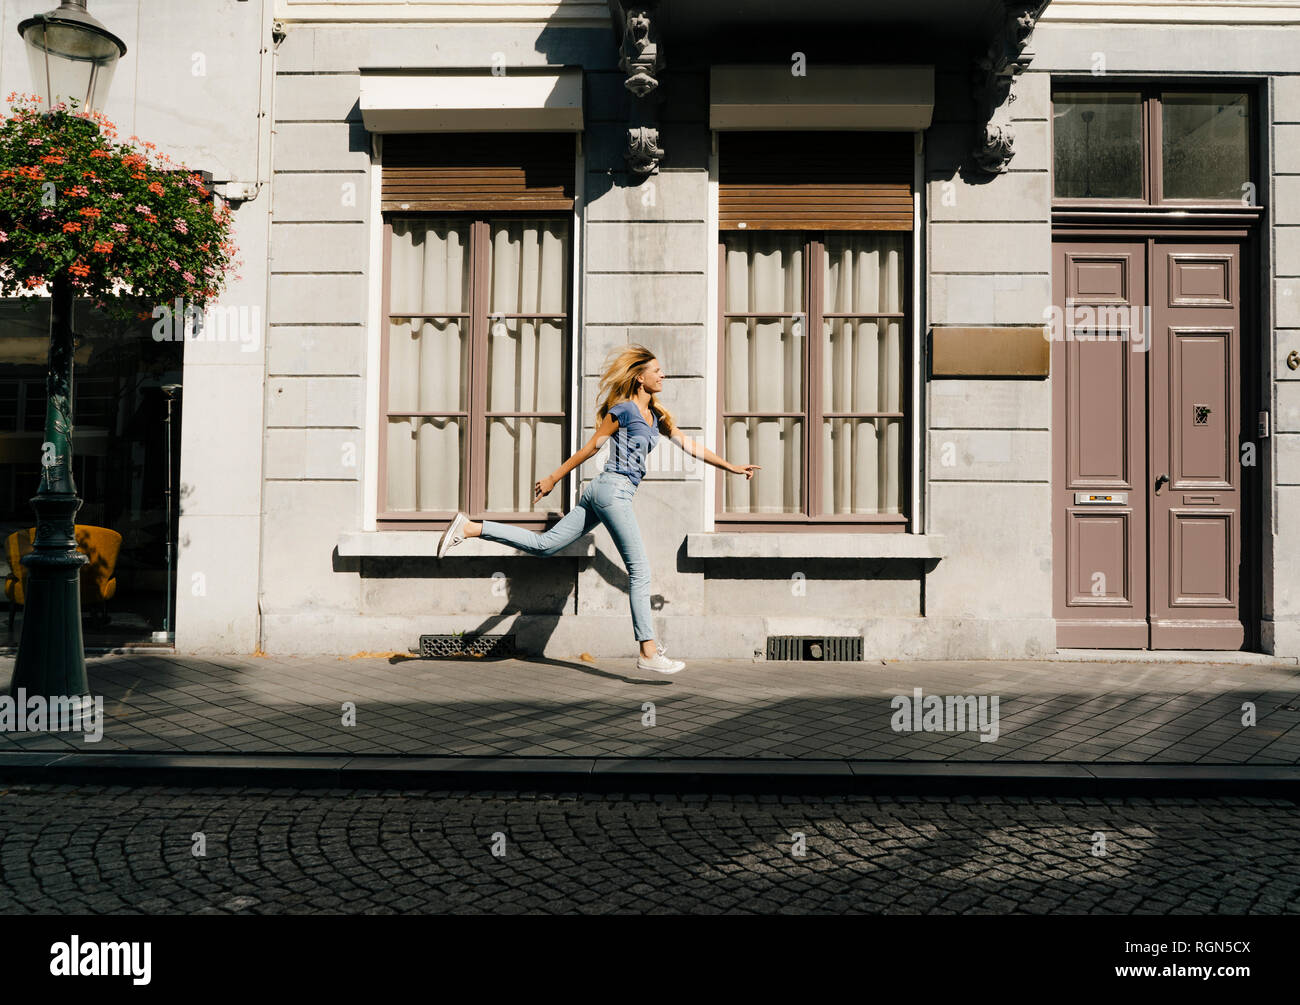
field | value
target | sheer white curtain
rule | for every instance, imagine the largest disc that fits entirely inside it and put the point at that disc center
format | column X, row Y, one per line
column 526, row 360
column 862, row 371
column 763, row 357
column 428, row 363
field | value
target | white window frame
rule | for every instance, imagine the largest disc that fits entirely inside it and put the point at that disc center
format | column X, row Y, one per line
column 916, row 516
column 376, row 323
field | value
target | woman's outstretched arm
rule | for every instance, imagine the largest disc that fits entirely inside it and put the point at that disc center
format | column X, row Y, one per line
column 709, row 457
column 603, row 432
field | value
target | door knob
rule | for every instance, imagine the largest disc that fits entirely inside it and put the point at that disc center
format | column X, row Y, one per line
column 1293, row 359
column 1161, row 481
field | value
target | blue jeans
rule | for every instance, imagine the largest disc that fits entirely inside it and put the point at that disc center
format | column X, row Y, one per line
column 607, row 499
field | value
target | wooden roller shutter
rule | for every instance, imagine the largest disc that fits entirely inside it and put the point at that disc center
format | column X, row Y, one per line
column 814, row 181
column 479, row 172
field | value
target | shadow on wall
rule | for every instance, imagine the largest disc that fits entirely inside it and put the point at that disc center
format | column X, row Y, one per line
column 546, row 585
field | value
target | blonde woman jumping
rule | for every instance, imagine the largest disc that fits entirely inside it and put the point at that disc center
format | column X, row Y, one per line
column 631, row 415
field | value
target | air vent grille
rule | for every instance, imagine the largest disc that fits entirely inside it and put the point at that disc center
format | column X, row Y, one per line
column 466, row 645
column 815, row 648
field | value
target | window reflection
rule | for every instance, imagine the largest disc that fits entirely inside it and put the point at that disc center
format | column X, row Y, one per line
column 1205, row 144
column 1097, row 144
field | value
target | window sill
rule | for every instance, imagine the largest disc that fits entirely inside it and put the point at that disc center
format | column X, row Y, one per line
column 814, row 545
column 424, row 544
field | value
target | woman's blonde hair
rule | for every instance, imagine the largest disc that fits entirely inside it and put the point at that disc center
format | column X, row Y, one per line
column 618, row 383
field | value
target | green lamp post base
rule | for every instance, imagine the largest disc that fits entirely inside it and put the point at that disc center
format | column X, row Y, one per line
column 51, row 656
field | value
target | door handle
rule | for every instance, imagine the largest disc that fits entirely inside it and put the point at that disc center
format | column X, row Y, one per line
column 1161, row 481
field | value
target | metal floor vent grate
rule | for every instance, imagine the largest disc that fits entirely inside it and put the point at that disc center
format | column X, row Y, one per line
column 814, row 647
column 467, row 645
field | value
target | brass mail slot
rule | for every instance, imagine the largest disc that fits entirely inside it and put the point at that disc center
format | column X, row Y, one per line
column 1101, row 498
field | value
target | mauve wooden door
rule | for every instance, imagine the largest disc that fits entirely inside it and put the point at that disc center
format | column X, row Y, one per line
column 1099, row 433
column 1146, row 430
column 1195, row 446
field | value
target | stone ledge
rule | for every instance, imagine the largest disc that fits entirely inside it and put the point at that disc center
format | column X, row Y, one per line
column 814, row 545
column 424, row 544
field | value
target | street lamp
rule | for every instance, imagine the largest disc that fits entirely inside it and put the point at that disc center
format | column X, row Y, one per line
column 72, row 57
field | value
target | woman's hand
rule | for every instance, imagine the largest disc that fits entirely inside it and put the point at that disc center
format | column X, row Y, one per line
column 745, row 469
column 543, row 487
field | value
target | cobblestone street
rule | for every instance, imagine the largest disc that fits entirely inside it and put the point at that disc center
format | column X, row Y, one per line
column 116, row 849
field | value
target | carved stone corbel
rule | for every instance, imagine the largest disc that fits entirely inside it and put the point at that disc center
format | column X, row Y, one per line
column 994, row 78
column 643, row 150
column 641, row 58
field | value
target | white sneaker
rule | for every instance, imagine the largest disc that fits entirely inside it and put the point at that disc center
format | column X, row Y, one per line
column 453, row 535
column 659, row 663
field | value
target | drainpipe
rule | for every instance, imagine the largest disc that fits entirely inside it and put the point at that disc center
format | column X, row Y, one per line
column 271, row 35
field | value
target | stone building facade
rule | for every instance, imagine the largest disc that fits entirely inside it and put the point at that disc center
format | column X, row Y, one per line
column 995, row 477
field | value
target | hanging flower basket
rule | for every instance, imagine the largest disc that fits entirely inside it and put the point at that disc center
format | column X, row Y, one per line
column 127, row 225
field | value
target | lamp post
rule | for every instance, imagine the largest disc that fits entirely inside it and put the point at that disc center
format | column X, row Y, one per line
column 168, row 634
column 72, row 57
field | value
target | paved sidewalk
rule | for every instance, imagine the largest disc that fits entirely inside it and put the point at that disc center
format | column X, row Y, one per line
column 1165, row 713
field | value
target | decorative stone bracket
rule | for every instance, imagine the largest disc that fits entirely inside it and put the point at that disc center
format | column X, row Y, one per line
column 994, row 78
column 641, row 58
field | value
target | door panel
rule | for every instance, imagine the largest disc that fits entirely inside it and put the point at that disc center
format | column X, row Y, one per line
column 1101, row 545
column 1146, row 433
column 1099, row 451
column 1195, row 436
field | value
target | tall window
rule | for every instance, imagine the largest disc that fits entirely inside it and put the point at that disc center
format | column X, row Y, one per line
column 475, row 381
column 476, row 373
column 1148, row 144
column 814, row 386
column 815, row 347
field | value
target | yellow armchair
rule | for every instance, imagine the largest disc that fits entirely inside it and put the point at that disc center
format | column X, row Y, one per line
column 98, row 576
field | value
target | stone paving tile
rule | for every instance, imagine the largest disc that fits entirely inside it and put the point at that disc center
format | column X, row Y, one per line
column 548, row 707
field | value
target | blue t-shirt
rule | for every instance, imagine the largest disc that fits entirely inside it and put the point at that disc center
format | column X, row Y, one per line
column 632, row 441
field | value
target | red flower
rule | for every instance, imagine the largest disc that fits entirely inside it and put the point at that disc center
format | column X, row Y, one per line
column 72, row 228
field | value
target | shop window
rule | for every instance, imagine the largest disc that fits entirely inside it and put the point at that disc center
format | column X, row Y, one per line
column 120, row 459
